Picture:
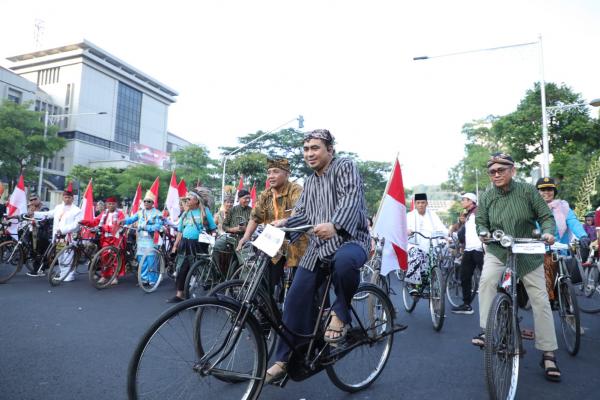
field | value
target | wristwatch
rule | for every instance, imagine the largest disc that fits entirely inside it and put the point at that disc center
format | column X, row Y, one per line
column 337, row 228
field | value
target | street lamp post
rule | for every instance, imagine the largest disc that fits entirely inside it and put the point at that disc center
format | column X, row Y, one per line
column 545, row 145
column 300, row 120
column 46, row 121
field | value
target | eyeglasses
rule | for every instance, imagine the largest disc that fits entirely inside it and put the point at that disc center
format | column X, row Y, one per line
column 148, row 201
column 499, row 171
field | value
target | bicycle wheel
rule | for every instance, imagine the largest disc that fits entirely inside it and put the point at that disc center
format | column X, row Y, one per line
column 236, row 290
column 408, row 301
column 437, row 298
column 151, row 270
column 454, row 287
column 63, row 265
column 202, row 277
column 475, row 283
column 104, row 267
column 369, row 340
column 588, row 291
column 168, row 364
column 11, row 260
column 501, row 350
column 569, row 316
column 367, row 275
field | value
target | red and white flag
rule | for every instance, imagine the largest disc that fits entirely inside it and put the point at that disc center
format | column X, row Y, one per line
column 240, row 187
column 182, row 188
column 172, row 203
column 87, row 208
column 17, row 205
column 137, row 199
column 154, row 190
column 391, row 224
column 253, row 196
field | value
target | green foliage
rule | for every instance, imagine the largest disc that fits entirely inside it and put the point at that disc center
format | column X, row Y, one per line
column 22, row 142
column 193, row 163
column 104, row 180
column 374, row 175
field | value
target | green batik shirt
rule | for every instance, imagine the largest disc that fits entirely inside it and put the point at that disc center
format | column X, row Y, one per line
column 236, row 215
column 515, row 212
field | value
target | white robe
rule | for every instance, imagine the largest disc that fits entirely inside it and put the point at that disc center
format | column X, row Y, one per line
column 428, row 225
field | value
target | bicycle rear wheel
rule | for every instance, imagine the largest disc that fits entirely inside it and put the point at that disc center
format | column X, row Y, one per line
column 569, row 316
column 588, row 291
column 105, row 264
column 501, row 350
column 369, row 341
column 437, row 298
column 408, row 301
column 11, row 260
column 63, row 265
column 151, row 270
column 454, row 287
column 167, row 362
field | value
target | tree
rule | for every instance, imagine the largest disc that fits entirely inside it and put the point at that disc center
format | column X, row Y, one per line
column 374, row 175
column 104, row 180
column 193, row 163
column 22, row 141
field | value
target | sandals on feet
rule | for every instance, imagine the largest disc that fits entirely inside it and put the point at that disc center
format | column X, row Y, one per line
column 479, row 340
column 548, row 371
column 278, row 371
column 339, row 331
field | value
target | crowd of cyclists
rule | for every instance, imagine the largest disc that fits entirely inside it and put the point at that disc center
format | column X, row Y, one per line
column 332, row 202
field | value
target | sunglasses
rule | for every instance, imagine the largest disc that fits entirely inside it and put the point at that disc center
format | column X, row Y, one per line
column 497, row 171
column 148, row 201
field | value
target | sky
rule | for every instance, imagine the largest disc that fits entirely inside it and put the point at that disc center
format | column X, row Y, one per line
column 241, row 66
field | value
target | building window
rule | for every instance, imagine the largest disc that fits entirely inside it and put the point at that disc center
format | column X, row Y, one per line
column 15, row 96
column 129, row 109
column 62, row 163
column 48, row 76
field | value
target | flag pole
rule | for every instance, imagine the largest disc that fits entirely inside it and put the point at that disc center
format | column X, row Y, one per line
column 387, row 186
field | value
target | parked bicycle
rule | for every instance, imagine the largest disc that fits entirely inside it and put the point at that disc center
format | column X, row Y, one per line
column 158, row 262
column 588, row 290
column 78, row 251
column 216, row 346
column 432, row 285
column 107, row 261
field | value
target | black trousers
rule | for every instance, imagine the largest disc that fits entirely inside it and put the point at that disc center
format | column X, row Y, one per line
column 470, row 260
column 186, row 254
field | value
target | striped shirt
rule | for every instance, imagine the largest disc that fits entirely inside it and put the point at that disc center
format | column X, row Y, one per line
column 237, row 215
column 336, row 196
column 515, row 212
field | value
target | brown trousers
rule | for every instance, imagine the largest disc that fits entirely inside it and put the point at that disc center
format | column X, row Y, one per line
column 550, row 268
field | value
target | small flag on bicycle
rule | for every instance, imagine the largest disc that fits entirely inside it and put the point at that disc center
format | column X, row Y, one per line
column 391, row 224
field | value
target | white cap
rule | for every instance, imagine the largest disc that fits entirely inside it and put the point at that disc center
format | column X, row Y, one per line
column 470, row 196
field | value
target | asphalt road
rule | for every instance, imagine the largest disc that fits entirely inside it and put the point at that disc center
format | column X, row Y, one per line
column 75, row 342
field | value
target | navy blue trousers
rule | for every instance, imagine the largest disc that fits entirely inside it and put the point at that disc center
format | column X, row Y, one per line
column 300, row 303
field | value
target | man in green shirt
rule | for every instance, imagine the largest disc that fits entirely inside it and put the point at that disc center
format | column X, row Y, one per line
column 514, row 208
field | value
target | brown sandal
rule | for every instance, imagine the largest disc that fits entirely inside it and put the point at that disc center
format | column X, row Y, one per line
column 276, row 376
column 339, row 331
column 548, row 370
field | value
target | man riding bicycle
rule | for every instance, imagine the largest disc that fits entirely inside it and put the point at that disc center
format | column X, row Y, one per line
column 333, row 201
column 514, row 208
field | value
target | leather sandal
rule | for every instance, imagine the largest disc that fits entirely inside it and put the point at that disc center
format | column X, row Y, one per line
column 340, row 331
column 547, row 371
column 479, row 340
column 276, row 376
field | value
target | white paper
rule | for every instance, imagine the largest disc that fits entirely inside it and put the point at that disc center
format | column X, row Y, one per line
column 270, row 240
column 206, row 238
column 529, row 248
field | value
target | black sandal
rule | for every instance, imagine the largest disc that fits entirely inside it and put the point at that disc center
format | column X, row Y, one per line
column 550, row 377
column 479, row 340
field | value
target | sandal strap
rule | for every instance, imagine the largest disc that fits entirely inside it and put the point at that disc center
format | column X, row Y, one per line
column 549, row 358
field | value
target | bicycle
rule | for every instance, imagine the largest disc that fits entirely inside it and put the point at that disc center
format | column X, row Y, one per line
column 568, row 309
column 503, row 343
column 158, row 262
column 432, row 286
column 23, row 251
column 371, row 271
column 107, row 261
column 454, row 293
column 217, row 346
column 70, row 254
column 588, row 290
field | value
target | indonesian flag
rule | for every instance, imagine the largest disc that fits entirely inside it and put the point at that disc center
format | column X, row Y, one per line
column 253, row 196
column 412, row 202
column 182, row 188
column 154, row 190
column 240, row 187
column 172, row 203
column 17, row 205
column 137, row 199
column 391, row 224
column 87, row 207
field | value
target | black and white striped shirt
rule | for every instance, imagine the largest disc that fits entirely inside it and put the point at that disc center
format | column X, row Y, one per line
column 338, row 197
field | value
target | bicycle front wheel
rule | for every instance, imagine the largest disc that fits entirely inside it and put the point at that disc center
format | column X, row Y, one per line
column 369, row 341
column 104, row 267
column 569, row 316
column 454, row 287
column 63, row 265
column 437, row 299
column 11, row 260
column 501, row 350
column 201, row 278
column 168, row 364
column 151, row 270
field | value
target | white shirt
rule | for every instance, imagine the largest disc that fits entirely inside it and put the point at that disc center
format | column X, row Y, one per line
column 472, row 241
column 428, row 224
column 66, row 218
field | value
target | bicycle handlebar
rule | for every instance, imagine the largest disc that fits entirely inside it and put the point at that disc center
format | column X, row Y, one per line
column 427, row 237
column 300, row 229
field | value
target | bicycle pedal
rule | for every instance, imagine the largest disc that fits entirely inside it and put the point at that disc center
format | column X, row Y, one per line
column 280, row 382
